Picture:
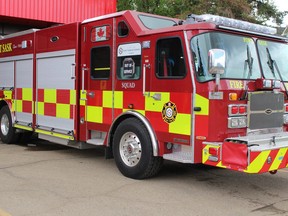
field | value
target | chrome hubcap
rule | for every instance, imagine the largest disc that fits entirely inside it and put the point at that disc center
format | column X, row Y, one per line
column 130, row 149
column 4, row 125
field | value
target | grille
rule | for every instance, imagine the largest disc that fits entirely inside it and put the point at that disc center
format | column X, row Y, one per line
column 265, row 110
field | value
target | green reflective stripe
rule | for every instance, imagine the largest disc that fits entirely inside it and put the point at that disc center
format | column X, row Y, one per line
column 23, row 127
column 51, row 133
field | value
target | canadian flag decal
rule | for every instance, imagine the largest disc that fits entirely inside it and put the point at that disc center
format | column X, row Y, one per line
column 101, row 33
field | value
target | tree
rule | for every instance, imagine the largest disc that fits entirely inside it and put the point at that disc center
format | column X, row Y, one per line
column 257, row 11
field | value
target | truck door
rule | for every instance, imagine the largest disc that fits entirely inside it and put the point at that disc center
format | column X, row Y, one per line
column 168, row 96
column 96, row 94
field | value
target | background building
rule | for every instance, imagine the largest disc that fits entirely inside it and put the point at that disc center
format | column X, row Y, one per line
column 18, row 15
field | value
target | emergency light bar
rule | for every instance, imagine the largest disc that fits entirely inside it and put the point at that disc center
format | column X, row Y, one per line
column 230, row 23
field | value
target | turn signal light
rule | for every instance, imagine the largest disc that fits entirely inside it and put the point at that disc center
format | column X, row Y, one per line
column 233, row 96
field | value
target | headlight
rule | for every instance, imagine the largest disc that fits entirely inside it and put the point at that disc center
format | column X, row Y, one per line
column 237, row 122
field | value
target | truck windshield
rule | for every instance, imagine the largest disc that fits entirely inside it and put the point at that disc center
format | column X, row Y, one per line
column 241, row 56
column 278, row 53
column 152, row 22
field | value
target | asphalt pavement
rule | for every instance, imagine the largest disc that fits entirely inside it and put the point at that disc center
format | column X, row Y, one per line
column 51, row 180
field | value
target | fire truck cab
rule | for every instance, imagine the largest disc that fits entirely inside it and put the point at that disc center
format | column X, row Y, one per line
column 208, row 90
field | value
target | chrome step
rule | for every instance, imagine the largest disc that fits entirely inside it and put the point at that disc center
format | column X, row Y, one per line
column 180, row 153
column 95, row 141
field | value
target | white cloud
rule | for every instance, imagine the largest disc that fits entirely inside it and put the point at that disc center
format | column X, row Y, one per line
column 282, row 5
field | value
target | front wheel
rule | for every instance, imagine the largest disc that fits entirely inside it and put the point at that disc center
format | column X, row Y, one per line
column 7, row 132
column 132, row 150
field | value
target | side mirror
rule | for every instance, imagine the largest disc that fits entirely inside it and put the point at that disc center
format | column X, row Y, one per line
column 216, row 61
column 216, row 64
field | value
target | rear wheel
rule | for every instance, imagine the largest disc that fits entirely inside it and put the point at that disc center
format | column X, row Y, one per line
column 132, row 150
column 7, row 132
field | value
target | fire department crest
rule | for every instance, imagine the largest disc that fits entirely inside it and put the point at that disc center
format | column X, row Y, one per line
column 169, row 112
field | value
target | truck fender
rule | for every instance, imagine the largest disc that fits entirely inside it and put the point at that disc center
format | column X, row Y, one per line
column 129, row 114
column 6, row 103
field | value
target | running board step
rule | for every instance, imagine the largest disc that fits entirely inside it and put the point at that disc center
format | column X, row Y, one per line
column 183, row 157
column 95, row 141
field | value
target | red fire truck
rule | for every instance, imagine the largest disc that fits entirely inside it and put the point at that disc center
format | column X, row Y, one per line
column 208, row 90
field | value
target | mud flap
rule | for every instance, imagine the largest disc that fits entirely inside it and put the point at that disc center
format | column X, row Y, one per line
column 235, row 155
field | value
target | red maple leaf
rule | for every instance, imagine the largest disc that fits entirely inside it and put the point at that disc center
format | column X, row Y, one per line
column 100, row 33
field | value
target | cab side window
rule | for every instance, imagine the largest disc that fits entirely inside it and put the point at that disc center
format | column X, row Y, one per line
column 170, row 58
column 100, row 62
column 129, row 61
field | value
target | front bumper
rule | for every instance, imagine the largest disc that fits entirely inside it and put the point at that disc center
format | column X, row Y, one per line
column 250, row 154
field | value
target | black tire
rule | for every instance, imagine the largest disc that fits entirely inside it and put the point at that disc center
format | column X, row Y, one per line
column 25, row 137
column 7, row 131
column 132, row 150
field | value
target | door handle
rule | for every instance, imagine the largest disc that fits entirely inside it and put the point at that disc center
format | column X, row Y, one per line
column 144, row 79
column 73, row 71
column 157, row 96
column 91, row 94
column 84, row 68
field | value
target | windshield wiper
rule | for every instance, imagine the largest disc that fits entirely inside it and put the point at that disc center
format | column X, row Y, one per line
column 271, row 63
column 200, row 70
column 249, row 62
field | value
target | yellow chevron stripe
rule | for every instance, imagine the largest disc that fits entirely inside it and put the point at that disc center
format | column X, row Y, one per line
column 278, row 159
column 205, row 154
column 258, row 162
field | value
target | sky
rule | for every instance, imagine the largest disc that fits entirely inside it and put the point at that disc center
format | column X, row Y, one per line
column 282, row 5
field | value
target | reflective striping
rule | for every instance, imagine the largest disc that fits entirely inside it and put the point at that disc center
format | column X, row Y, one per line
column 182, row 124
column 203, row 103
column 118, row 99
column 156, row 105
column 257, row 164
column 58, row 103
column 73, row 97
column 51, row 133
column 8, row 94
column 205, row 154
column 100, row 69
column 40, row 108
column 108, row 99
column 24, row 100
column 97, row 109
column 142, row 112
column 63, row 111
column 220, row 165
column 278, row 159
column 50, row 96
column 18, row 105
column 27, row 94
column 94, row 114
column 22, row 127
column 83, row 98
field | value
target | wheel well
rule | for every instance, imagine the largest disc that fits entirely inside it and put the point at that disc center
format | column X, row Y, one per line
column 115, row 125
column 136, row 115
column 2, row 104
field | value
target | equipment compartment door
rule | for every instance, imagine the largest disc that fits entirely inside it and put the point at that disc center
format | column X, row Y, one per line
column 56, row 94
column 24, row 91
